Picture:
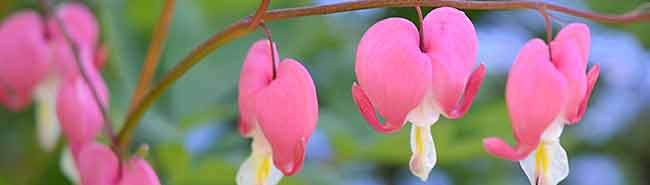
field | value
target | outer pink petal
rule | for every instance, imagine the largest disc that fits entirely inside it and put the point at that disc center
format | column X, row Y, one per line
column 97, row 165
column 450, row 40
column 79, row 116
column 471, row 90
column 392, row 71
column 570, row 51
column 535, row 95
column 80, row 23
column 256, row 74
column 23, row 58
column 498, row 147
column 287, row 111
column 368, row 111
column 592, row 78
column 139, row 172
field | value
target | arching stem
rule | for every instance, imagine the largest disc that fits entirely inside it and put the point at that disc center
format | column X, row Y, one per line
column 267, row 32
column 421, row 19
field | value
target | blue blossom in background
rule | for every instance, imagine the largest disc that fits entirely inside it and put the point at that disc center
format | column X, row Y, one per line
column 200, row 138
column 595, row 170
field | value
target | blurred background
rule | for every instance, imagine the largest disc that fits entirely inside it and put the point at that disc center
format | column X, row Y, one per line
column 192, row 131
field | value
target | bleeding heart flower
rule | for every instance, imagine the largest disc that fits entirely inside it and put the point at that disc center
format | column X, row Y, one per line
column 35, row 56
column 280, row 114
column 404, row 82
column 78, row 113
column 98, row 165
column 24, row 58
column 543, row 94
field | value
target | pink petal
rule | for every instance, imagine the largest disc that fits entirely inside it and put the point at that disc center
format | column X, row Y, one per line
column 592, row 78
column 287, row 111
column 535, row 92
column 101, row 55
column 391, row 71
column 570, row 51
column 256, row 74
column 138, row 172
column 23, row 58
column 535, row 95
column 97, row 165
column 498, row 147
column 472, row 88
column 368, row 111
column 80, row 24
column 79, row 116
column 450, row 41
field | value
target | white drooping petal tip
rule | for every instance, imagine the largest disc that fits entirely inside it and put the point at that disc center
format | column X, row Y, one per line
column 547, row 165
column 47, row 123
column 258, row 170
column 423, row 148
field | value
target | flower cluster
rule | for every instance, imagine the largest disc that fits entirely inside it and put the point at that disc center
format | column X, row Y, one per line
column 37, row 63
column 410, row 75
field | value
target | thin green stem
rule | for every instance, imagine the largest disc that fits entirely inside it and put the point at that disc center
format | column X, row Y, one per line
column 153, row 54
column 242, row 27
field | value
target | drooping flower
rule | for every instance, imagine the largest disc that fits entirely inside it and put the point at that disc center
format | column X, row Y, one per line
column 547, row 88
column 404, row 82
column 35, row 56
column 98, row 165
column 24, row 58
column 279, row 113
column 79, row 115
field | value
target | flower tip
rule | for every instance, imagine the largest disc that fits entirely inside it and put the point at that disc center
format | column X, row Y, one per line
column 497, row 147
column 368, row 112
column 294, row 164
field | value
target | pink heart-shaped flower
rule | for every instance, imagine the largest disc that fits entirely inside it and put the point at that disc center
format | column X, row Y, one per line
column 80, row 117
column 395, row 75
column 24, row 58
column 285, row 108
column 545, row 87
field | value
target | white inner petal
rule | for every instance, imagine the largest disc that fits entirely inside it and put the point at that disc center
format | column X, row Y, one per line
column 548, row 164
column 425, row 114
column 258, row 169
column 47, row 123
column 423, row 157
column 68, row 166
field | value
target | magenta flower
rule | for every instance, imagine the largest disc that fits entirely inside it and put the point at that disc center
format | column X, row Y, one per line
column 405, row 82
column 24, row 58
column 34, row 57
column 98, row 165
column 279, row 113
column 543, row 94
column 78, row 113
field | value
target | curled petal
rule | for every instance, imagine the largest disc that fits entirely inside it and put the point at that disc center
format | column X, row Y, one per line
column 592, row 78
column 98, row 165
column 499, row 148
column 138, row 172
column 287, row 112
column 472, row 88
column 570, row 51
column 256, row 74
column 392, row 72
column 535, row 93
column 80, row 117
column 368, row 112
column 23, row 58
column 450, row 41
